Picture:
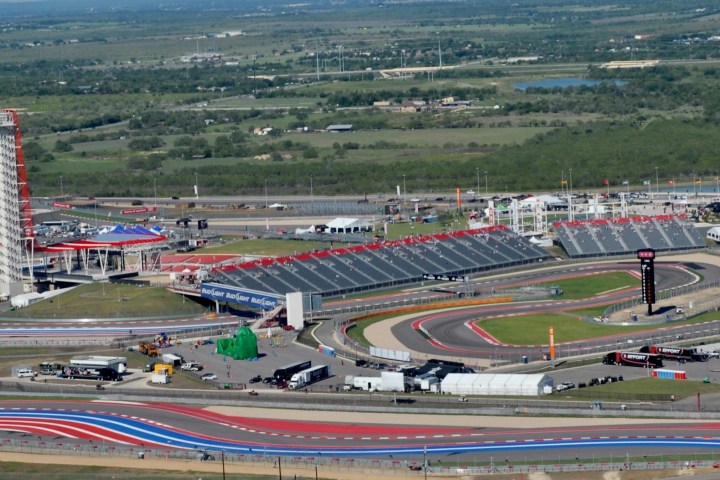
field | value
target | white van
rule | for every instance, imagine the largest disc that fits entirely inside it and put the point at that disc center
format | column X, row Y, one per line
column 25, row 372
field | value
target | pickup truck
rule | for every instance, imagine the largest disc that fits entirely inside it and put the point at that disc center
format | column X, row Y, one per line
column 191, row 367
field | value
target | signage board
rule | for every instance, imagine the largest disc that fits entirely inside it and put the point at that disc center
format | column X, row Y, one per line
column 251, row 298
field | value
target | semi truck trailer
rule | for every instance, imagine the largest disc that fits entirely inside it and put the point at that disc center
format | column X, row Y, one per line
column 633, row 359
column 306, row 377
column 676, row 353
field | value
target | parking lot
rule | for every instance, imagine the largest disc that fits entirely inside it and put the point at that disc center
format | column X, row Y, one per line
column 272, row 354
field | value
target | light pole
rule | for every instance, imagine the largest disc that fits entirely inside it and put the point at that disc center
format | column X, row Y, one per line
column 439, row 52
column 62, row 190
column 312, row 198
column 657, row 181
column 266, row 202
column 222, row 457
column 477, row 192
column 197, row 187
column 404, row 190
column 155, row 191
column 254, row 75
column 693, row 182
column 486, row 190
column 571, row 182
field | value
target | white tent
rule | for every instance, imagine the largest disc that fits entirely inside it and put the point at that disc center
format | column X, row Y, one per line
column 349, row 225
column 530, row 202
column 495, row 384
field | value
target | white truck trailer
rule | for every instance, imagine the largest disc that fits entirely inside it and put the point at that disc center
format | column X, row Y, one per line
column 369, row 384
column 306, row 377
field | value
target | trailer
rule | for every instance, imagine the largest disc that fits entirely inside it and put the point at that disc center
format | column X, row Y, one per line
column 105, row 374
column 369, row 384
column 395, row 382
column 285, row 373
column 633, row 359
column 172, row 359
column 306, row 377
column 676, row 353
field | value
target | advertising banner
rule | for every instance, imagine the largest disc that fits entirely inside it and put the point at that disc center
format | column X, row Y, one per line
column 252, row 298
column 61, row 205
column 133, row 211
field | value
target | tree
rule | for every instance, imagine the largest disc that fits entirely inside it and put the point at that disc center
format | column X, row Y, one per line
column 62, row 146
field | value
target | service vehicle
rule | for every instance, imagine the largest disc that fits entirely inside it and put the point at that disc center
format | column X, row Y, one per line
column 309, row 376
column 209, row 376
column 286, row 372
column 191, row 367
column 676, row 353
column 83, row 373
column 25, row 372
column 633, row 359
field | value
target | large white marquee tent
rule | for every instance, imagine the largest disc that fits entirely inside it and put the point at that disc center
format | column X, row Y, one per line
column 495, row 384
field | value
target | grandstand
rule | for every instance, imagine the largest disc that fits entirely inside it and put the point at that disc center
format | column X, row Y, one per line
column 383, row 264
column 621, row 236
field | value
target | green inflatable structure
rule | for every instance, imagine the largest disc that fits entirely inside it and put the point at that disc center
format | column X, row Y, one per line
column 242, row 347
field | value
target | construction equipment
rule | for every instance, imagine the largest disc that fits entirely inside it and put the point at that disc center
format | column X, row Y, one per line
column 148, row 349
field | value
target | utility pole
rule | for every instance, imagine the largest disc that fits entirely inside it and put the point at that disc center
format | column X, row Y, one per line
column 439, row 52
column 317, row 66
column 254, row 75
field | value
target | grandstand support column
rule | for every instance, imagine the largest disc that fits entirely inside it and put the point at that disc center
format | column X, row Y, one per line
column 515, row 217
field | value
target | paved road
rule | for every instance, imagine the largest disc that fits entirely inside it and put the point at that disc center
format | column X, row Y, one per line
column 452, row 333
column 235, row 431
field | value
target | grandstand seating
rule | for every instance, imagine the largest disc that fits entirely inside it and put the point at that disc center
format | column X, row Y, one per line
column 384, row 264
column 620, row 236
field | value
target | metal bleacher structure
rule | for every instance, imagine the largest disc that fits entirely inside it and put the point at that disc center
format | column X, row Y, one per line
column 624, row 235
column 384, row 264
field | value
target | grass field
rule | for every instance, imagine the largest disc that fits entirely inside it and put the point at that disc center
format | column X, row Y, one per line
column 21, row 471
column 591, row 285
column 102, row 300
column 647, row 386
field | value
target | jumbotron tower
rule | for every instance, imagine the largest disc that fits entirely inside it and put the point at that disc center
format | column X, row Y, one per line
column 16, row 232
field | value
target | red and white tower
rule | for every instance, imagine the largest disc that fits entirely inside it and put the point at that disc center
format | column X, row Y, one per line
column 16, row 232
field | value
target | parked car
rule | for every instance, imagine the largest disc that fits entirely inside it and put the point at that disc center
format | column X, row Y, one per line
column 256, row 379
column 267, row 380
column 209, row 376
column 564, row 386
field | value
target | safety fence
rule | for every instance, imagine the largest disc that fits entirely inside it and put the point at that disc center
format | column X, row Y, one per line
column 325, row 397
column 119, row 340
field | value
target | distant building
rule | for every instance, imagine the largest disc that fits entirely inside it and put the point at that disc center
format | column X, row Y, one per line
column 339, row 128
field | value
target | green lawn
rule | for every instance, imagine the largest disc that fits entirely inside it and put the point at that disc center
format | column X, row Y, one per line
column 104, row 300
column 644, row 387
column 533, row 329
column 595, row 284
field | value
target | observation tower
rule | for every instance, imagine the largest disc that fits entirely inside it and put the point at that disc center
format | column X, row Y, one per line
column 16, row 229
